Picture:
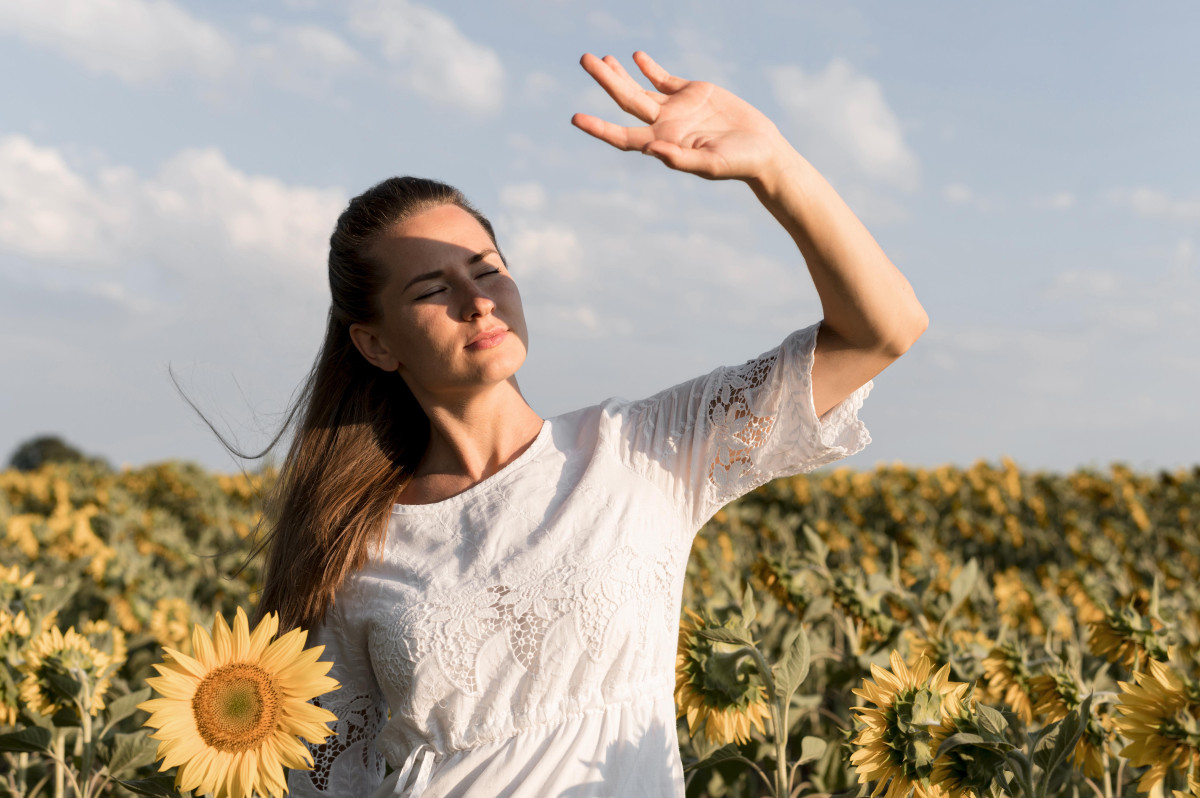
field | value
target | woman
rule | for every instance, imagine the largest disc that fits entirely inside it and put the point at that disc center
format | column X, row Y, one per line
column 500, row 593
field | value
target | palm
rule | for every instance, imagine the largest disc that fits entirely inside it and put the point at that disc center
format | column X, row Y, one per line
column 692, row 126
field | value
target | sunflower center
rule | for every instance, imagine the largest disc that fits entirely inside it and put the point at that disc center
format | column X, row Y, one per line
column 236, row 706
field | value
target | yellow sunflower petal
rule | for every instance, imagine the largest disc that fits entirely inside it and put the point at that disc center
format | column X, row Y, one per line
column 230, row 717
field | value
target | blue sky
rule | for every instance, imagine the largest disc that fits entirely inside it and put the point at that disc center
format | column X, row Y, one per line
column 170, row 172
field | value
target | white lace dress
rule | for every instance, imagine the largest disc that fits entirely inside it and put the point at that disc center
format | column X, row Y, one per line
column 523, row 633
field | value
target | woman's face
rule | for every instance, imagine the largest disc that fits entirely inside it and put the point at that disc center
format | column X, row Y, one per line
column 451, row 318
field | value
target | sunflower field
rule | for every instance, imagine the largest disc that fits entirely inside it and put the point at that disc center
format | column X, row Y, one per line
column 955, row 632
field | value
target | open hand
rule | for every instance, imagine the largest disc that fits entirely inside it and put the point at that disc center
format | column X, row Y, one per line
column 691, row 125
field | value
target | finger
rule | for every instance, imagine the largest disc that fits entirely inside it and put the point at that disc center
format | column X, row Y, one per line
column 696, row 162
column 628, row 95
column 660, row 78
column 616, row 66
column 623, row 138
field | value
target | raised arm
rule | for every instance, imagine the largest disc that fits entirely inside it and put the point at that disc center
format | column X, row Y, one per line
column 871, row 314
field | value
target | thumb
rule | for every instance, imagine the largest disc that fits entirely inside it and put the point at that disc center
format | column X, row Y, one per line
column 683, row 160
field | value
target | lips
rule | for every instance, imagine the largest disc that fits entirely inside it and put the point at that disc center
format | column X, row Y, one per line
column 488, row 338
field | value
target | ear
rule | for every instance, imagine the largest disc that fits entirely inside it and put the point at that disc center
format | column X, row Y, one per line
column 368, row 342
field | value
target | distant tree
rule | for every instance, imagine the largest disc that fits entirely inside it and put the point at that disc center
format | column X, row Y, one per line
column 36, row 452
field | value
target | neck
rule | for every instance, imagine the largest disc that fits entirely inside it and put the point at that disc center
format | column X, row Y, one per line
column 474, row 436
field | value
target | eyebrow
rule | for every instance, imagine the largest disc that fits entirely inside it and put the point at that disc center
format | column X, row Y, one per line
column 478, row 256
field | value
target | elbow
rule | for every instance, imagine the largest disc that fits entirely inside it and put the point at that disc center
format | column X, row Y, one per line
column 914, row 330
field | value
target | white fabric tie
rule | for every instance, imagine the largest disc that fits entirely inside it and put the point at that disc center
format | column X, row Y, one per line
column 420, row 781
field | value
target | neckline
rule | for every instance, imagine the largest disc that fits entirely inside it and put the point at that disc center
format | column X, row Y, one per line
column 534, row 447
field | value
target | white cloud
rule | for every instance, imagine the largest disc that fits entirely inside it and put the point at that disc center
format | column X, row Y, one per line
column 116, row 273
column 139, row 41
column 523, row 196
column 840, row 115
column 545, row 250
column 1058, row 201
column 538, row 88
column 436, row 59
column 1154, row 204
column 47, row 210
column 306, row 59
column 321, row 44
column 963, row 195
column 1158, row 297
column 958, row 194
column 697, row 57
column 602, row 22
column 1077, row 283
column 198, row 210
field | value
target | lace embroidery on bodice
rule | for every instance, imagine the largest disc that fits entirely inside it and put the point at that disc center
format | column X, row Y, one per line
column 358, row 724
column 451, row 629
column 737, row 431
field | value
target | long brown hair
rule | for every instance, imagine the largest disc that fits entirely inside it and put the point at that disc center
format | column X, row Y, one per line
column 360, row 433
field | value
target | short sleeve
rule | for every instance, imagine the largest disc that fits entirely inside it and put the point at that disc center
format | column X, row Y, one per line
column 348, row 762
column 716, row 437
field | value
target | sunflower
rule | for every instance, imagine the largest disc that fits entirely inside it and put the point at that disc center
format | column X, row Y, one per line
column 12, row 578
column 1127, row 638
column 231, row 717
column 1008, row 679
column 169, row 623
column 715, row 686
column 55, row 654
column 898, row 742
column 14, row 630
column 1193, row 788
column 17, row 591
column 1055, row 693
column 961, row 649
column 969, row 770
column 1082, row 594
column 107, row 638
column 785, row 585
column 13, row 627
column 1160, row 715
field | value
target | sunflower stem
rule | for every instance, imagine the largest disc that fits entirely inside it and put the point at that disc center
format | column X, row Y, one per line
column 22, row 767
column 1023, row 771
column 60, row 754
column 89, row 751
column 778, row 719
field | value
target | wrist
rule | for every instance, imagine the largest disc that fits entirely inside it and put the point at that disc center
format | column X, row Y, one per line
column 784, row 167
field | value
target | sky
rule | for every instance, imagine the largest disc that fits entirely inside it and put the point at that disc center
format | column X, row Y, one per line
column 170, row 173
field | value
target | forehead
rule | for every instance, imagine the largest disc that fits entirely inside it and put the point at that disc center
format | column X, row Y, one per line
column 439, row 236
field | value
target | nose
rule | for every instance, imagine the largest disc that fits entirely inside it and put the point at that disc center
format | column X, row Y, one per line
column 477, row 304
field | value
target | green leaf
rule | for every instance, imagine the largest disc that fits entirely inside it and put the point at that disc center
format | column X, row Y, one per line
column 62, row 683
column 991, row 720
column 126, row 705
column 32, row 740
column 960, row 588
column 1057, row 744
column 811, row 749
column 749, row 611
column 158, row 786
column 820, row 552
column 723, row 754
column 966, row 738
column 955, row 740
column 792, row 668
column 131, row 751
column 727, row 634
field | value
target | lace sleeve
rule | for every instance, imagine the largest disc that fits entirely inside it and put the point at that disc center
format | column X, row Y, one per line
column 348, row 762
column 717, row 437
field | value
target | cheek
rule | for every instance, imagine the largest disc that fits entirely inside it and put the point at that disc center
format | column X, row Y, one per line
column 511, row 298
column 416, row 334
